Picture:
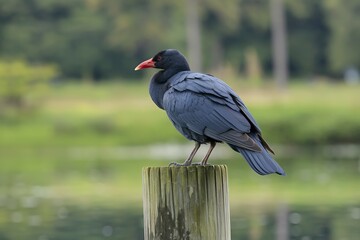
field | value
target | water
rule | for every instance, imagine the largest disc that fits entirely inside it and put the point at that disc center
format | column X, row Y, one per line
column 96, row 194
column 54, row 221
column 50, row 220
column 298, row 223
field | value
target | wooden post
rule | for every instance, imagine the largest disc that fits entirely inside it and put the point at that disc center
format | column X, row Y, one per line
column 186, row 203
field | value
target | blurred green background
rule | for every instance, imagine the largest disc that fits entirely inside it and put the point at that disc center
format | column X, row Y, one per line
column 77, row 124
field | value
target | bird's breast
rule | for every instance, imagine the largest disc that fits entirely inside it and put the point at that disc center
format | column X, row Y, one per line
column 181, row 102
column 183, row 110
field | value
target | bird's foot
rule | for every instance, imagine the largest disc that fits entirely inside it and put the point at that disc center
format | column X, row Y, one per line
column 185, row 164
column 175, row 164
column 201, row 164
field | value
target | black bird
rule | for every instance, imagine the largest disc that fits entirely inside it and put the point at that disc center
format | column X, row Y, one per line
column 206, row 110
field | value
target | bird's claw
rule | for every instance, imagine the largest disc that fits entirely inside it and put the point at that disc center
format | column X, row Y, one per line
column 175, row 164
column 185, row 164
column 200, row 164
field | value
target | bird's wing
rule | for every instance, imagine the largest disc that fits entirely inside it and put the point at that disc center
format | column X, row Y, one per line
column 216, row 90
column 208, row 113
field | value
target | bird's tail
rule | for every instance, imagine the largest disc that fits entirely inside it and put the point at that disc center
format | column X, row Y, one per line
column 260, row 162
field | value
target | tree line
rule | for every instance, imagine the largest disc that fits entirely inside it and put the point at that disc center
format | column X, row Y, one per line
column 96, row 39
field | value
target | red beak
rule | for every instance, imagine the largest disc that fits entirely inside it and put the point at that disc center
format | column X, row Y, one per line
column 146, row 64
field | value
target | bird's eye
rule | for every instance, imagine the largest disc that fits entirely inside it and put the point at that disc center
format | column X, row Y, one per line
column 158, row 58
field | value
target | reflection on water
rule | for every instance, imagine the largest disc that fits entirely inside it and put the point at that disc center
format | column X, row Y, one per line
column 34, row 217
column 299, row 222
column 42, row 195
column 51, row 220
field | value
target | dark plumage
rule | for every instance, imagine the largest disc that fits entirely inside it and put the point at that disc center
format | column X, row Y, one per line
column 206, row 110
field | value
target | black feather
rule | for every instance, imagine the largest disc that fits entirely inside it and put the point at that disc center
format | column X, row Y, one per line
column 205, row 109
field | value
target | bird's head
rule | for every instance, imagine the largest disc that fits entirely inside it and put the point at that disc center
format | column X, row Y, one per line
column 166, row 59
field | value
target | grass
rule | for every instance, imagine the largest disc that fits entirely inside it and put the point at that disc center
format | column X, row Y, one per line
column 33, row 145
column 123, row 114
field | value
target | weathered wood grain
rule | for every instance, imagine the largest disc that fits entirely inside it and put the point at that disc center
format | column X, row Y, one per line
column 186, row 203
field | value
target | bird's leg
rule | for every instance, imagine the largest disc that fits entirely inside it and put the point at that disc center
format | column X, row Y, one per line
column 212, row 146
column 190, row 158
column 192, row 154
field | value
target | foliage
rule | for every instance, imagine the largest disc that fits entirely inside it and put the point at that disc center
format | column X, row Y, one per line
column 93, row 39
column 19, row 80
column 344, row 21
column 308, row 36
